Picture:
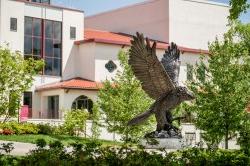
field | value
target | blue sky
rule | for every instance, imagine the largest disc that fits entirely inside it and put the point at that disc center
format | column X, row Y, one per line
column 92, row 7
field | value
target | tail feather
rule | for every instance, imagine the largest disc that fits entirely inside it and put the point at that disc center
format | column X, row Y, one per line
column 141, row 117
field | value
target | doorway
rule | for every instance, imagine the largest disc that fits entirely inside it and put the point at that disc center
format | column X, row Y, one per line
column 53, row 107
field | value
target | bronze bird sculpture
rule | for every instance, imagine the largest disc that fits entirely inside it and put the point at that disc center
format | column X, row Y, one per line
column 159, row 80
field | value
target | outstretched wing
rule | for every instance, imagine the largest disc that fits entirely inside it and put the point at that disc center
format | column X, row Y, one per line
column 147, row 68
column 171, row 62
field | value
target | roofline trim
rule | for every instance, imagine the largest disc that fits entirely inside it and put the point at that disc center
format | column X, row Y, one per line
column 106, row 41
column 61, row 87
column 49, row 5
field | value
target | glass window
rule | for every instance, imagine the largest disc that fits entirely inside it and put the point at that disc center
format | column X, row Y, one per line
column 48, row 29
column 48, row 66
column 28, row 45
column 57, row 30
column 83, row 102
column 72, row 32
column 37, row 27
column 57, row 49
column 44, row 35
column 13, row 24
column 37, row 46
column 49, row 48
column 53, row 107
column 190, row 139
column 27, row 99
column 41, row 1
column 28, row 26
column 57, row 67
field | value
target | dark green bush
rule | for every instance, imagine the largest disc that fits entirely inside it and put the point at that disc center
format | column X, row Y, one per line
column 41, row 143
column 93, row 153
column 45, row 129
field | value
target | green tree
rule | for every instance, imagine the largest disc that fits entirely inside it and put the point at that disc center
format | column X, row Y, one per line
column 123, row 98
column 16, row 76
column 237, row 7
column 222, row 97
column 75, row 121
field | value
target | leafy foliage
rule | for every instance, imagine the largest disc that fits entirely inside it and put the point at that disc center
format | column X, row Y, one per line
column 16, row 76
column 93, row 153
column 244, row 136
column 75, row 121
column 238, row 7
column 123, row 98
column 222, row 97
column 95, row 117
column 19, row 128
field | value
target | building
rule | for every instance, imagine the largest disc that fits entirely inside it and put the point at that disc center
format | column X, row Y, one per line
column 81, row 53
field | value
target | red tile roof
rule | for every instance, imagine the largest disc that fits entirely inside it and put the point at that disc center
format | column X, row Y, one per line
column 98, row 36
column 75, row 83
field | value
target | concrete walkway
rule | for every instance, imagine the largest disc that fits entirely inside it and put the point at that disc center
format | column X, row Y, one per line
column 20, row 149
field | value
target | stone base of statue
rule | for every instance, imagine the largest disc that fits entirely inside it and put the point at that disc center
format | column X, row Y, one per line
column 170, row 140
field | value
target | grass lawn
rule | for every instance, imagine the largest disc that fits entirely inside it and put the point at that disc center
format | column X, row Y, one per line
column 65, row 139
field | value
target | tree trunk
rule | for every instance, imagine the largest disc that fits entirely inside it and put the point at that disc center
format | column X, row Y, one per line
column 226, row 139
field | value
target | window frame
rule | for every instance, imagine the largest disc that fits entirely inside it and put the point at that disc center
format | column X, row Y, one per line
column 15, row 21
column 53, row 49
column 43, row 38
column 74, row 34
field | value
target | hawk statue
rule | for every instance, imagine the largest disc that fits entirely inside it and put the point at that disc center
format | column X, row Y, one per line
column 159, row 80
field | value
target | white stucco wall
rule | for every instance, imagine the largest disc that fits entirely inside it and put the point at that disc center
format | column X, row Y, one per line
column 70, row 50
column 85, row 61
column 13, row 9
column 150, row 17
column 19, row 10
column 189, row 23
column 15, row 40
column 104, row 53
column 193, row 23
column 66, row 98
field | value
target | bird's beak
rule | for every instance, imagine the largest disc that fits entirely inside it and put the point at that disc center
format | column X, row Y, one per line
column 190, row 95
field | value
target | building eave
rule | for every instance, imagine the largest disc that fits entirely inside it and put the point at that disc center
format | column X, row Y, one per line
column 49, row 5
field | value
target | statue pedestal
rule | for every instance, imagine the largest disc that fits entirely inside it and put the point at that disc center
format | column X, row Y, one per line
column 163, row 143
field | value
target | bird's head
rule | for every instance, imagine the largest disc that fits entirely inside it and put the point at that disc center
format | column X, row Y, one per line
column 185, row 94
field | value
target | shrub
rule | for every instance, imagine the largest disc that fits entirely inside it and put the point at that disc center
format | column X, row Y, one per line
column 7, row 147
column 7, row 132
column 75, row 121
column 19, row 128
column 41, row 143
column 93, row 154
column 45, row 129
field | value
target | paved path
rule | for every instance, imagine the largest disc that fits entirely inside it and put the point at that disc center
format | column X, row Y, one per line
column 20, row 148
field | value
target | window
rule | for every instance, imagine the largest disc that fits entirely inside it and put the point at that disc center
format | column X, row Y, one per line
column 189, row 72
column 13, row 24
column 190, row 139
column 72, row 32
column 33, row 38
column 83, row 102
column 110, row 66
column 43, row 39
column 27, row 100
column 53, row 47
column 53, row 107
column 41, row 1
